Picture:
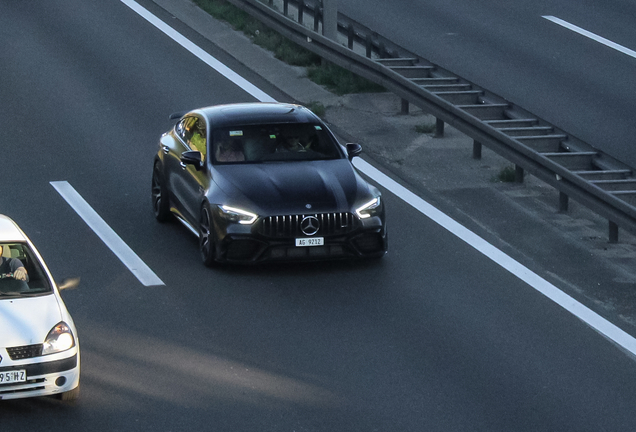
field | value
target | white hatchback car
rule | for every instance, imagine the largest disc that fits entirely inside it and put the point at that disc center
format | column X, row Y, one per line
column 39, row 346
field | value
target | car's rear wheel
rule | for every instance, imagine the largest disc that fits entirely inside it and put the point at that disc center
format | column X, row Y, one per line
column 160, row 204
column 207, row 247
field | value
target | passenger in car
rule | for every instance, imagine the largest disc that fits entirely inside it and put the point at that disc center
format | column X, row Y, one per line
column 230, row 151
column 12, row 266
column 290, row 143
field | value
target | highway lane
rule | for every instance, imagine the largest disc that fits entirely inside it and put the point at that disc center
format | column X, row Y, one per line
column 572, row 81
column 434, row 336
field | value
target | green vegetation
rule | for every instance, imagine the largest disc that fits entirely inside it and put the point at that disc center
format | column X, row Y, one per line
column 507, row 175
column 340, row 81
column 334, row 78
column 317, row 107
column 426, row 128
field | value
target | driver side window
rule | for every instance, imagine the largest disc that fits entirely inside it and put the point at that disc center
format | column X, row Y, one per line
column 196, row 135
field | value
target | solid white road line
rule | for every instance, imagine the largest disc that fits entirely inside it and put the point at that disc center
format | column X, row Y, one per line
column 582, row 312
column 200, row 53
column 577, row 309
column 138, row 268
column 591, row 35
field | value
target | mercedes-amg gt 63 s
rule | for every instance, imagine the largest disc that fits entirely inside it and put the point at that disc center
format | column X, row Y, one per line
column 266, row 182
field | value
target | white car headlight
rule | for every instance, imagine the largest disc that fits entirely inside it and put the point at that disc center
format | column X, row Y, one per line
column 368, row 209
column 234, row 214
column 59, row 339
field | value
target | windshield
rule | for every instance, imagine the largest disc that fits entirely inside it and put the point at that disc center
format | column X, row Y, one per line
column 20, row 272
column 274, row 142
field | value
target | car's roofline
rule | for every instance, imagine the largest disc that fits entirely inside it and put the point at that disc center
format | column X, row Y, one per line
column 9, row 230
column 255, row 113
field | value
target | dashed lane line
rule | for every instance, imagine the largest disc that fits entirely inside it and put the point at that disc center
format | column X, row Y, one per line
column 127, row 256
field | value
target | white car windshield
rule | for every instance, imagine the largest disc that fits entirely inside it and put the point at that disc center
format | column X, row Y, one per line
column 21, row 274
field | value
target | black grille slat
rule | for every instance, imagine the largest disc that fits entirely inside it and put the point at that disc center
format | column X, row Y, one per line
column 25, row 352
column 289, row 225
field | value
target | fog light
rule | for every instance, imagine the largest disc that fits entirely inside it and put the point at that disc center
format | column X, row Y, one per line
column 60, row 381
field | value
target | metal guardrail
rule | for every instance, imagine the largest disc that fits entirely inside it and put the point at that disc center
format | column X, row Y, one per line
column 576, row 169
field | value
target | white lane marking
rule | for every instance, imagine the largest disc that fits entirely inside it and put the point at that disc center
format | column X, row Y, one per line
column 591, row 35
column 577, row 309
column 200, row 53
column 129, row 258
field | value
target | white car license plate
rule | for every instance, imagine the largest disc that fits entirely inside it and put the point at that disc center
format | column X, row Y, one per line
column 13, row 376
column 310, row 241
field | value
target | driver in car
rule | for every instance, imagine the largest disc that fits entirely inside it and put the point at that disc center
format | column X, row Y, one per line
column 12, row 266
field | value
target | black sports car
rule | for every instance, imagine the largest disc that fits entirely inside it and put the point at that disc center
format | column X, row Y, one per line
column 266, row 181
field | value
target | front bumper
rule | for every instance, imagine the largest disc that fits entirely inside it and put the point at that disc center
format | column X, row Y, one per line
column 246, row 249
column 44, row 378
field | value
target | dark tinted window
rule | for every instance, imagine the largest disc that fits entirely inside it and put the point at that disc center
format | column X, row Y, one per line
column 275, row 142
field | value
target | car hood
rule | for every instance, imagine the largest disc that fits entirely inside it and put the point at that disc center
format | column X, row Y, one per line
column 292, row 187
column 27, row 321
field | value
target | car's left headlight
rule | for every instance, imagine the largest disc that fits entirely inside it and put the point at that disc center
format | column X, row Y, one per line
column 234, row 214
column 59, row 339
column 369, row 209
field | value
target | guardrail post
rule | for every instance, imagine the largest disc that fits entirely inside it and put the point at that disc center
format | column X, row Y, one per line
column 476, row 150
column 613, row 232
column 317, row 16
column 439, row 128
column 405, row 107
column 369, row 45
column 564, row 201
column 271, row 3
column 351, row 35
column 382, row 53
column 285, row 7
column 330, row 19
column 518, row 174
column 301, row 11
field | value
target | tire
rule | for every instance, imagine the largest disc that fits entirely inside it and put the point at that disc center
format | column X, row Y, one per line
column 207, row 247
column 160, row 204
column 71, row 395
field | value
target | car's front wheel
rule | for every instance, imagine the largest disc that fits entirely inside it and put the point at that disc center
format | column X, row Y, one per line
column 206, row 242
column 160, row 204
column 71, row 395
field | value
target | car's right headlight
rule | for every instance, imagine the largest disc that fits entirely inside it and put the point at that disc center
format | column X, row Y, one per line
column 234, row 214
column 59, row 339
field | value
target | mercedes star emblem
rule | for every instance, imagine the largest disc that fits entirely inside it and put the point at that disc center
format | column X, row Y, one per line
column 309, row 225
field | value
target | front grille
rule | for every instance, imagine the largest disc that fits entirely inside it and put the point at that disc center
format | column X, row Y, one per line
column 20, row 386
column 25, row 352
column 330, row 224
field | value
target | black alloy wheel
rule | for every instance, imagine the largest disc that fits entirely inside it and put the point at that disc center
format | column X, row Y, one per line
column 160, row 204
column 206, row 245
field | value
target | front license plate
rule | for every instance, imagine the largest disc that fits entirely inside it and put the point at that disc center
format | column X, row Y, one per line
column 313, row 241
column 13, row 376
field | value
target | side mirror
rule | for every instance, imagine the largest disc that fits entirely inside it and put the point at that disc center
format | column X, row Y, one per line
column 192, row 157
column 353, row 150
column 176, row 115
column 69, row 284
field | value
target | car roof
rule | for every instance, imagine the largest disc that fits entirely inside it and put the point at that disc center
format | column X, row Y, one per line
column 9, row 230
column 256, row 113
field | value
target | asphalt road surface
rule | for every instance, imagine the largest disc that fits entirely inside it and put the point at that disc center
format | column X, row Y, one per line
column 434, row 337
column 584, row 84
